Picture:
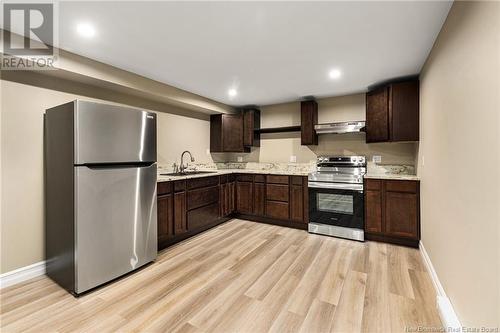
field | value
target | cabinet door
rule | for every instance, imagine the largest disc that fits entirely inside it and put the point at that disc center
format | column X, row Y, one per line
column 180, row 213
column 232, row 197
column 225, row 199
column 232, row 133
column 248, row 126
column 308, row 118
column 373, row 211
column 259, row 198
column 377, row 115
column 244, row 197
column 404, row 111
column 165, row 217
column 296, row 203
column 401, row 217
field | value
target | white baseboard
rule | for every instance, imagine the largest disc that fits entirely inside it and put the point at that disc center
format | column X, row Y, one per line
column 22, row 274
column 447, row 314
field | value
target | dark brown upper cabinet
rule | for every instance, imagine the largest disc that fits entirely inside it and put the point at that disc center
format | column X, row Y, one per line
column 251, row 123
column 308, row 118
column 226, row 133
column 377, row 115
column 392, row 113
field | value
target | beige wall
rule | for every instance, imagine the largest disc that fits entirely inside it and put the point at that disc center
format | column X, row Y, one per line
column 279, row 147
column 21, row 124
column 460, row 122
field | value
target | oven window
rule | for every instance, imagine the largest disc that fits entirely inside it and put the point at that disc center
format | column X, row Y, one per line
column 335, row 203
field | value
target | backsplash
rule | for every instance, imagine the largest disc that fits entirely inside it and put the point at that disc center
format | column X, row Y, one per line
column 372, row 168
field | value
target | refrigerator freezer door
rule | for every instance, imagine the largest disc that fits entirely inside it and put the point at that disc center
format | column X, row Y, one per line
column 115, row 222
column 113, row 134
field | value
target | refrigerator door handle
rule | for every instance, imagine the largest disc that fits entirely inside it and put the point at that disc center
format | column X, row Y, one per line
column 124, row 165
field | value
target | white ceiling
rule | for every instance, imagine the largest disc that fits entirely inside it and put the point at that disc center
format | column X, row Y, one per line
column 270, row 51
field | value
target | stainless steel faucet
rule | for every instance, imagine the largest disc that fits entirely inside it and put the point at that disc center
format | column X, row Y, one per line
column 182, row 167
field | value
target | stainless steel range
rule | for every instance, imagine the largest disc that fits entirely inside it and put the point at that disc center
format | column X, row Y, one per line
column 336, row 201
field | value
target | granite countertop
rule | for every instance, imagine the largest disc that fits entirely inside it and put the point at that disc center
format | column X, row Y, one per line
column 229, row 171
column 374, row 171
column 391, row 176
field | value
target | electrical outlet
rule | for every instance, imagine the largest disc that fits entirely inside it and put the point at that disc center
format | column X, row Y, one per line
column 293, row 159
column 240, row 158
column 377, row 159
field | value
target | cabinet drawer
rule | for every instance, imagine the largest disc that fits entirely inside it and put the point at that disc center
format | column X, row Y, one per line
column 202, row 197
column 200, row 217
column 276, row 179
column 244, row 178
column 231, row 177
column 408, row 186
column 297, row 180
column 179, row 185
column 202, row 182
column 277, row 210
column 259, row 178
column 223, row 179
column 277, row 192
column 373, row 184
column 164, row 188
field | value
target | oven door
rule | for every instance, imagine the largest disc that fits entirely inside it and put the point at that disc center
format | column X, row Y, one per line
column 336, row 204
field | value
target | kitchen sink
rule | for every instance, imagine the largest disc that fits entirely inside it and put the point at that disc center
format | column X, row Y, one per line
column 186, row 173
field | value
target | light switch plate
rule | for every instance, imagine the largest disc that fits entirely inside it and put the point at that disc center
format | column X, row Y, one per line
column 377, row 159
column 240, row 158
column 293, row 159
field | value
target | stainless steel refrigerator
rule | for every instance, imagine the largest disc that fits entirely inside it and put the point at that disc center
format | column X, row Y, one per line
column 100, row 192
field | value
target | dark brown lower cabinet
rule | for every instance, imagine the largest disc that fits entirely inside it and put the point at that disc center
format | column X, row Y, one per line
column 244, row 197
column 401, row 216
column 297, row 203
column 188, row 207
column 232, row 196
column 227, row 196
column 259, row 198
column 165, row 217
column 274, row 199
column 180, row 225
column 392, row 211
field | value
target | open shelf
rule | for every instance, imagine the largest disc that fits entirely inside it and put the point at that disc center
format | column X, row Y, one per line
column 278, row 129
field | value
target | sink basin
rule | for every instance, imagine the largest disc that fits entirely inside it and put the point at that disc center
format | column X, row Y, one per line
column 186, row 173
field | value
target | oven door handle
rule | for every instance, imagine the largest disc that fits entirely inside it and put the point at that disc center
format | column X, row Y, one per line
column 336, row 186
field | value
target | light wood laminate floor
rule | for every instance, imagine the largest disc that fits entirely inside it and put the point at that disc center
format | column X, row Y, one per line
column 243, row 277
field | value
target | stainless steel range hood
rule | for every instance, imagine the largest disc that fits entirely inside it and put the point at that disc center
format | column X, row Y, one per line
column 341, row 128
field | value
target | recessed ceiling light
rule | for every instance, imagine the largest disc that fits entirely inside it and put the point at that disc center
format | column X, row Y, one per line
column 85, row 30
column 335, row 73
column 232, row 92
